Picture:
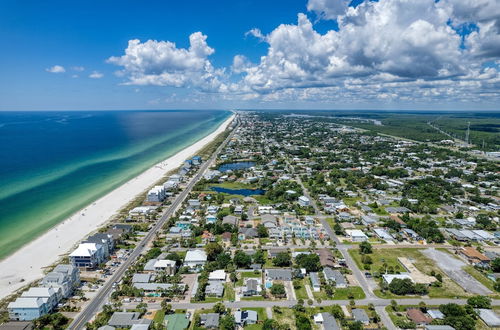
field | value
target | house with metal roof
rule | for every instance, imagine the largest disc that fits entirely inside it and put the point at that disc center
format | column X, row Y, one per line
column 335, row 276
column 245, row 317
column 315, row 282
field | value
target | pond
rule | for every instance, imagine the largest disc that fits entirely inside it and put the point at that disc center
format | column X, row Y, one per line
column 235, row 166
column 242, row 192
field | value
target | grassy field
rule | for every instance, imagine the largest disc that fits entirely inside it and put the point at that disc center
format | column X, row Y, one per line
column 449, row 289
column 285, row 316
column 342, row 294
column 301, row 292
column 243, row 275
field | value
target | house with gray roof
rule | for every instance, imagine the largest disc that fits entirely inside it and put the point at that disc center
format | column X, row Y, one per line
column 489, row 317
column 230, row 219
column 126, row 319
column 360, row 315
column 214, row 289
column 315, row 282
column 210, row 320
column 332, row 275
column 252, row 287
column 243, row 318
column 279, row 274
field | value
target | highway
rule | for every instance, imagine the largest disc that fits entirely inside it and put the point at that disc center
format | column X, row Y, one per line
column 98, row 301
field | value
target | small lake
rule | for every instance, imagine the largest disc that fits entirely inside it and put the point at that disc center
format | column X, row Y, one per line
column 242, row 192
column 235, row 166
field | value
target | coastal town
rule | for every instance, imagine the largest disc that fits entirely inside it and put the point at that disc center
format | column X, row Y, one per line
column 289, row 222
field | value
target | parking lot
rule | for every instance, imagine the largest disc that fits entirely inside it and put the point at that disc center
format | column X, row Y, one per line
column 453, row 268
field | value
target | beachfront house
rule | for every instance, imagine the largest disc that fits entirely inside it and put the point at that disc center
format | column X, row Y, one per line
column 106, row 240
column 27, row 309
column 64, row 277
column 87, row 255
column 50, row 296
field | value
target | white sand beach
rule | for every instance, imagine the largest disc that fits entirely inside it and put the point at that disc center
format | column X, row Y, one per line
column 28, row 262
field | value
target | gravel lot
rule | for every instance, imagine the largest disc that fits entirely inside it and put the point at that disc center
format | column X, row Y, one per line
column 453, row 268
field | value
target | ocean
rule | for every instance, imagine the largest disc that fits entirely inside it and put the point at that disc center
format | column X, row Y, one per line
column 54, row 163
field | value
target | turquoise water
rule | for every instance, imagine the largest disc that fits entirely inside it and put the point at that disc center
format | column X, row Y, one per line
column 55, row 163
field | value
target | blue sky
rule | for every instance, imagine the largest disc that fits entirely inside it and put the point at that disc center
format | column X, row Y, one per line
column 249, row 54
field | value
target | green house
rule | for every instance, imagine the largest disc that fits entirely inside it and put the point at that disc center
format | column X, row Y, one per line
column 176, row 322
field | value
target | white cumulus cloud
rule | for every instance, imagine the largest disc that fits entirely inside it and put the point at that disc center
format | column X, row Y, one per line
column 162, row 63
column 96, row 75
column 56, row 69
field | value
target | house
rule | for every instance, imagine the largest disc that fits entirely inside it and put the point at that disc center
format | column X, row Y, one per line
column 335, row 276
column 214, row 289
column 315, row 282
column 27, row 309
column 269, row 221
column 360, row 315
column 210, row 320
column 243, row 318
column 435, row 314
column 252, row 287
column 217, row 275
column 106, row 240
column 247, row 233
column 154, row 287
column 195, row 259
column 418, row 317
column 388, row 278
column 326, row 320
column 156, row 194
column 168, row 266
column 475, row 257
column 16, row 326
column 238, row 210
column 87, row 255
column 489, row 317
column 50, row 296
column 64, row 277
column 438, row 327
column 304, row 201
column 142, row 278
column 279, row 274
column 356, row 235
column 226, row 236
column 230, row 219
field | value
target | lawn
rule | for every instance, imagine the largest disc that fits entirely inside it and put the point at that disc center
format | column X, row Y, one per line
column 244, row 275
column 449, row 288
column 301, row 292
column 159, row 316
column 286, row 316
column 342, row 294
column 229, row 292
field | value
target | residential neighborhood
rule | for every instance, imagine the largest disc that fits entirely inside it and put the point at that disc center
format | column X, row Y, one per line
column 294, row 223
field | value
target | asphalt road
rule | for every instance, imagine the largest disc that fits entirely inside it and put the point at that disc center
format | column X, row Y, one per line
column 97, row 302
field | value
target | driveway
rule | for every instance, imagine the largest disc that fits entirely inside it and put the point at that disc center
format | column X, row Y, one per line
column 453, row 268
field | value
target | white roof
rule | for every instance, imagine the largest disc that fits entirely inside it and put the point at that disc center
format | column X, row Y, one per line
column 318, row 318
column 195, row 255
column 39, row 292
column 164, row 263
column 389, row 277
column 355, row 232
column 219, row 275
column 85, row 250
column 26, row 303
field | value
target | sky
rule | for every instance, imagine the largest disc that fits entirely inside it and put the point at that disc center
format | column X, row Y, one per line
column 250, row 54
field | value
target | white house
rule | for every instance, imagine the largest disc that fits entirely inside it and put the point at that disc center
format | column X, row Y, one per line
column 168, row 266
column 50, row 296
column 217, row 275
column 156, row 194
column 195, row 259
column 87, row 255
column 304, row 201
column 64, row 277
column 356, row 235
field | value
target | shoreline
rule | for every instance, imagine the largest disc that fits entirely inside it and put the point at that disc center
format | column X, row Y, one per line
column 29, row 261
